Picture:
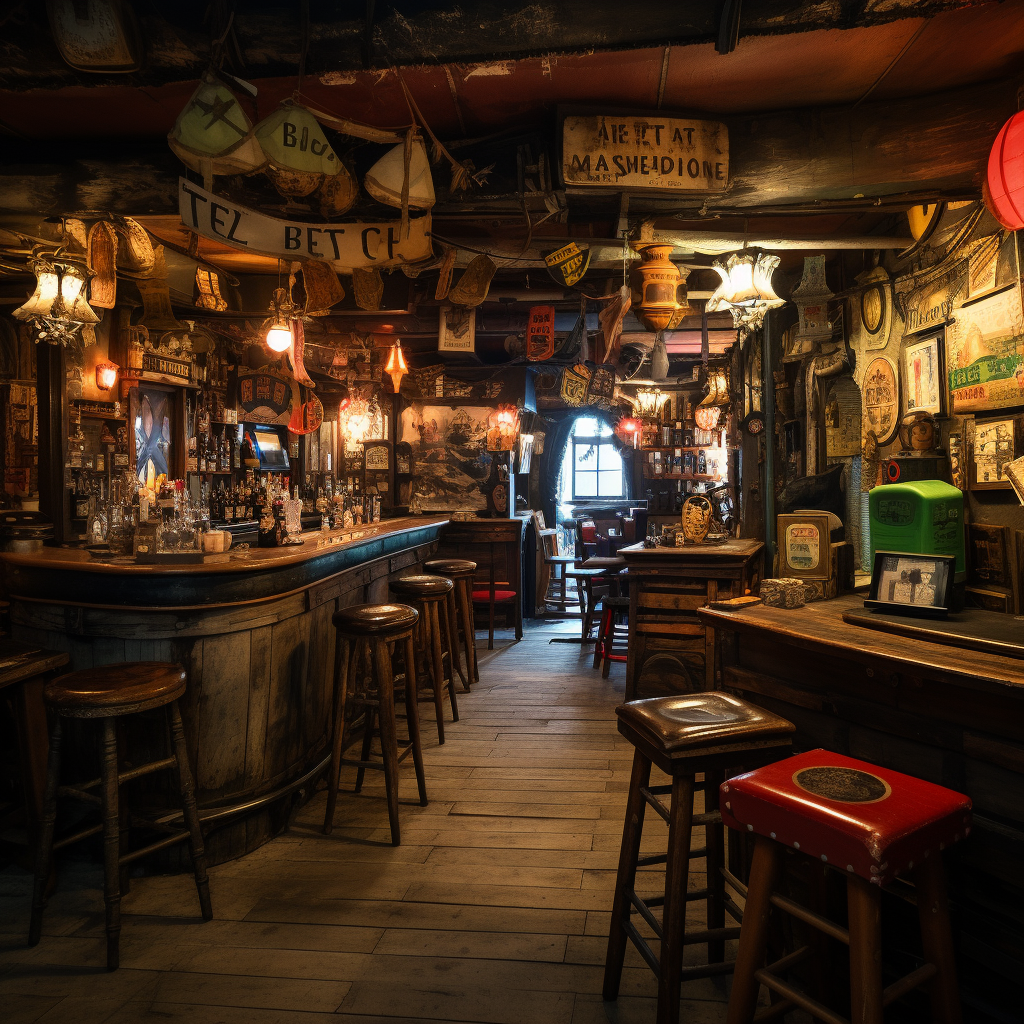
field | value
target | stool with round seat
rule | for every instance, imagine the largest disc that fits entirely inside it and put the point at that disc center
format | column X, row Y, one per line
column 369, row 629
column 613, row 633
column 109, row 693
column 461, row 572
column 429, row 594
column 871, row 824
column 710, row 733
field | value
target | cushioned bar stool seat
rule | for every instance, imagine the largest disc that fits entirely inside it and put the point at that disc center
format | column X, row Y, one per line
column 871, row 824
column 709, row 733
column 108, row 693
column 372, row 631
column 428, row 594
column 461, row 571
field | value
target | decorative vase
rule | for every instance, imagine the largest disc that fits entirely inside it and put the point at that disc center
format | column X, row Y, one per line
column 658, row 288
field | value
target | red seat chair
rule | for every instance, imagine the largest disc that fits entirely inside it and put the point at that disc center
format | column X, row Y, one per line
column 871, row 824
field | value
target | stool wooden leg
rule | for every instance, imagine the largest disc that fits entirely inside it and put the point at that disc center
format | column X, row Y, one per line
column 599, row 646
column 609, row 642
column 588, row 612
column 388, row 733
column 190, row 812
column 937, row 938
column 44, row 845
column 412, row 712
column 754, row 932
column 341, row 652
column 625, row 878
column 677, row 873
column 111, row 843
column 452, row 629
column 864, row 903
column 433, row 652
column 367, row 744
column 714, row 836
column 451, row 647
column 468, row 627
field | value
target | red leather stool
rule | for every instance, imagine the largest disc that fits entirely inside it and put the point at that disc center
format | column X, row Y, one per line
column 871, row 824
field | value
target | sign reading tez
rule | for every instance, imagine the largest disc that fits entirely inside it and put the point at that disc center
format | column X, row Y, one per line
column 376, row 244
column 667, row 153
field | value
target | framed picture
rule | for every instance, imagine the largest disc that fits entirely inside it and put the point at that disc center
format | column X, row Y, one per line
column 805, row 545
column 909, row 584
column 992, row 265
column 989, row 554
column 924, row 378
column 881, row 399
column 376, row 458
column 997, row 442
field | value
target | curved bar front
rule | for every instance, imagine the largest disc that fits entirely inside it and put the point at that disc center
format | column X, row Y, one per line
column 254, row 632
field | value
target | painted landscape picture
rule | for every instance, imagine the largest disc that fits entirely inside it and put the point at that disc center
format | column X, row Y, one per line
column 450, row 461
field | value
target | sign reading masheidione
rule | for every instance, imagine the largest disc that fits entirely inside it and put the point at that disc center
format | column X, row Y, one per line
column 358, row 244
column 671, row 153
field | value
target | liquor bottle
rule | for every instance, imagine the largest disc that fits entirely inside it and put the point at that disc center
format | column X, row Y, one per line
column 702, row 463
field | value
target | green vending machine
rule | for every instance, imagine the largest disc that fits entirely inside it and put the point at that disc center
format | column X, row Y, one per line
column 922, row 517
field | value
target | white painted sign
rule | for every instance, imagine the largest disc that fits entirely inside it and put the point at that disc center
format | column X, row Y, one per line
column 359, row 244
column 667, row 153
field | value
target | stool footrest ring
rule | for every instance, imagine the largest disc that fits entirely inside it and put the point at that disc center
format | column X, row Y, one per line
column 794, row 995
column 823, row 924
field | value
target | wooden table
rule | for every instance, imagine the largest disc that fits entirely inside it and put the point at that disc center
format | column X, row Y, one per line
column 670, row 649
column 26, row 667
column 945, row 714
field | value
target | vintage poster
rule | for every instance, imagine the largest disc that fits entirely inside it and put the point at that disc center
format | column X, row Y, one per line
column 922, row 375
column 992, row 264
column 456, row 329
column 803, row 542
column 449, row 457
column 985, row 353
column 993, row 451
column 540, row 333
column 881, row 399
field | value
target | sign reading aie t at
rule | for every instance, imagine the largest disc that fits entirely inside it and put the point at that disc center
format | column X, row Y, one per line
column 348, row 245
column 632, row 152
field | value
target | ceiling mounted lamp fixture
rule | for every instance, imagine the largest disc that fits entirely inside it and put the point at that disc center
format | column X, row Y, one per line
column 279, row 329
column 58, row 310
column 746, row 289
column 648, row 402
column 396, row 366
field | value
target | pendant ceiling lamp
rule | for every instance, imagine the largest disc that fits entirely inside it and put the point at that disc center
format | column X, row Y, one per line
column 648, row 402
column 1004, row 183
column 58, row 310
column 396, row 366
column 746, row 288
column 279, row 335
column 212, row 134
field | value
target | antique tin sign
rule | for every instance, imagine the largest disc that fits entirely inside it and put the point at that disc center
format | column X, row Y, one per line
column 649, row 152
column 568, row 264
column 540, row 333
column 359, row 244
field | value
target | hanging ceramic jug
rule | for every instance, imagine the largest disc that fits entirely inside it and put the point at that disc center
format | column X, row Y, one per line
column 658, row 288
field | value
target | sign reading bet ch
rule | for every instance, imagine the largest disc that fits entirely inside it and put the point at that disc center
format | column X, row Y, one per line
column 633, row 152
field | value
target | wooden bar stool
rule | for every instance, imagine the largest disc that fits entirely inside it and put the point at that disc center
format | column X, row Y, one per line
column 109, row 693
column 369, row 629
column 460, row 610
column 871, row 824
column 428, row 594
column 613, row 633
column 706, row 732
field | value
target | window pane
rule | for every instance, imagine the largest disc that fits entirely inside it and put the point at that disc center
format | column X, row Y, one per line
column 586, row 457
column 586, row 485
column 585, row 426
column 611, row 484
column 610, row 458
column 606, row 431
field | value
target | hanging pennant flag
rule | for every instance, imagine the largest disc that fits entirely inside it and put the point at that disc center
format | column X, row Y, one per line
column 212, row 134
column 474, row 284
column 386, row 178
column 323, row 289
column 575, row 381
column 102, row 247
column 540, row 333
column 367, row 288
column 568, row 264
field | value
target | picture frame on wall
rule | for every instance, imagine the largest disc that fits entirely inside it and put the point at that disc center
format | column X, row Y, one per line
column 997, row 442
column 922, row 367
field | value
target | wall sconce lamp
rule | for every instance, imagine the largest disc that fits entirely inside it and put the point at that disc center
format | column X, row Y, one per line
column 106, row 375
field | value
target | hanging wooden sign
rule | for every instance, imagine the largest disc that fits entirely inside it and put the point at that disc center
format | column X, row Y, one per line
column 568, row 264
column 540, row 333
column 359, row 244
column 575, row 380
column 645, row 152
column 265, row 396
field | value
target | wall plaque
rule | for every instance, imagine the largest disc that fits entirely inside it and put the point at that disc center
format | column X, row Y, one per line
column 540, row 333
column 645, row 152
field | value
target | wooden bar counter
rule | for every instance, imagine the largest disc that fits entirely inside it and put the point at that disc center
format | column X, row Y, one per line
column 254, row 632
column 950, row 715
column 670, row 649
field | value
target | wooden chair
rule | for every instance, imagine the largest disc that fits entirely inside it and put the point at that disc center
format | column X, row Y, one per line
column 503, row 589
column 556, row 566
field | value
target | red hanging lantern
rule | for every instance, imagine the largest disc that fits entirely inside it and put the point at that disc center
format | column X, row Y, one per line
column 628, row 431
column 1004, row 185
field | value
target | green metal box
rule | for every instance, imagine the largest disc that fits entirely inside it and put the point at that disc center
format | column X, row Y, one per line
column 923, row 517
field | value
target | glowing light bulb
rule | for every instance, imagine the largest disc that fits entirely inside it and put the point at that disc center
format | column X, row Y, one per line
column 279, row 337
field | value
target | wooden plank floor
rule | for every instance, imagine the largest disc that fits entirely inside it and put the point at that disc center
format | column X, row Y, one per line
column 495, row 908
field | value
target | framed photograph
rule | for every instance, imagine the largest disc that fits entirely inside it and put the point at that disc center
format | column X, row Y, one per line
column 909, row 584
column 997, row 442
column 924, row 376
